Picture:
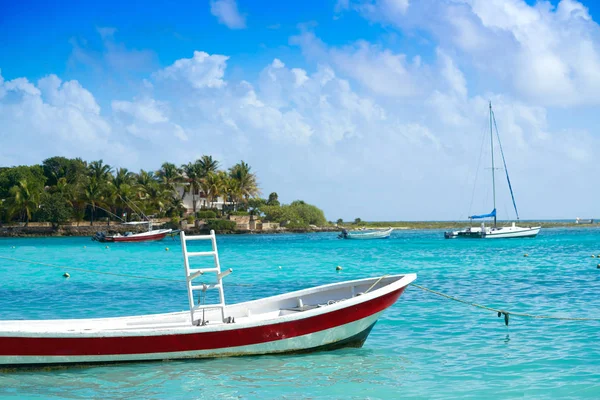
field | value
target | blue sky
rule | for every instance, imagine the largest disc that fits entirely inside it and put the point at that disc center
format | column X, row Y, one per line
column 368, row 108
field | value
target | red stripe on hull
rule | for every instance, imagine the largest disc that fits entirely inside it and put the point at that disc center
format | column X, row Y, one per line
column 148, row 238
column 19, row 346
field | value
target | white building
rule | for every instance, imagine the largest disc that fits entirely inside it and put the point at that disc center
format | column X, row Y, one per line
column 202, row 201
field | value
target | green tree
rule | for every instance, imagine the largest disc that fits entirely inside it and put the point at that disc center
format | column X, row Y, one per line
column 24, row 200
column 308, row 213
column 255, row 205
column 170, row 176
column 357, row 221
column 56, row 168
column 244, row 183
column 100, row 171
column 193, row 176
column 9, row 177
column 207, row 165
column 273, row 199
column 54, row 208
column 94, row 195
column 214, row 186
column 340, row 221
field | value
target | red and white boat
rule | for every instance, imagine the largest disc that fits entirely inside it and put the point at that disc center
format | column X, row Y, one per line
column 148, row 236
column 320, row 318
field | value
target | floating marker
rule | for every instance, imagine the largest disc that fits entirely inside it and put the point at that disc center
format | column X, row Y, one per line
column 14, row 247
column 84, row 247
column 280, row 267
column 166, row 249
column 106, row 247
column 525, row 255
column 598, row 266
column 338, row 268
column 66, row 275
column 593, row 256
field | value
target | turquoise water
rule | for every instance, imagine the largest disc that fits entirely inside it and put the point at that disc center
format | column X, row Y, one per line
column 423, row 346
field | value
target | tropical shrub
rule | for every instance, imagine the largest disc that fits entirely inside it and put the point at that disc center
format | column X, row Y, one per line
column 221, row 225
column 239, row 213
column 55, row 209
column 206, row 214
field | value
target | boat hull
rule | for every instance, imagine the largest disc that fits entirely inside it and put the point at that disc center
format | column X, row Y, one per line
column 368, row 235
column 499, row 233
column 323, row 328
column 137, row 237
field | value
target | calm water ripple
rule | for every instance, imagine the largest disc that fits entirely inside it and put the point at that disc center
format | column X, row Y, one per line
column 423, row 346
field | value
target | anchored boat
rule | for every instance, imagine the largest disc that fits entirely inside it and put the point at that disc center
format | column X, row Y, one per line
column 149, row 235
column 320, row 318
column 366, row 234
column 495, row 232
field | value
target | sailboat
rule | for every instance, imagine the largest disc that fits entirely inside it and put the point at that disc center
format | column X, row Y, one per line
column 494, row 232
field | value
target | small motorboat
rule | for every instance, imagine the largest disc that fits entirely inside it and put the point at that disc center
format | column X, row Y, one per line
column 366, row 234
column 149, row 235
column 320, row 318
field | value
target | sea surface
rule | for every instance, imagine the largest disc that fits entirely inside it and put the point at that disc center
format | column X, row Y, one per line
column 424, row 346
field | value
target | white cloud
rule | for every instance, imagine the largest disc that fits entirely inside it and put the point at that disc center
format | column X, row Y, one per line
column 52, row 118
column 146, row 110
column 546, row 54
column 200, row 71
column 227, row 13
column 67, row 94
column 379, row 69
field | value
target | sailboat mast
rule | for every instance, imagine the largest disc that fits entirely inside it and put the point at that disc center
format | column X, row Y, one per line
column 493, row 167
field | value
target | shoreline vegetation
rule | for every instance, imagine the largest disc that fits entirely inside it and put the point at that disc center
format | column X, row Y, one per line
column 47, row 230
column 63, row 196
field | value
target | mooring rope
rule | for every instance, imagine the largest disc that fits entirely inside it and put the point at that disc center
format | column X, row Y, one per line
column 91, row 271
column 373, row 285
column 502, row 312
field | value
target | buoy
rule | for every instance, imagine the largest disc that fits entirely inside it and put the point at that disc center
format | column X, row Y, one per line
column 280, row 267
column 525, row 255
column 598, row 266
column 85, row 247
column 338, row 268
column 593, row 256
column 106, row 247
column 66, row 275
column 166, row 249
column 14, row 247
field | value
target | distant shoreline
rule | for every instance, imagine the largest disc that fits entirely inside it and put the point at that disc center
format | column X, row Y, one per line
column 83, row 231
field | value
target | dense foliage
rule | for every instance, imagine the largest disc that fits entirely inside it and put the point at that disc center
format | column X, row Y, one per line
column 298, row 214
column 220, row 225
column 63, row 189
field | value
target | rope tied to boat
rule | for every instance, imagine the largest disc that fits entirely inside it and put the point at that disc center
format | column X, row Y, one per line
column 501, row 313
column 375, row 284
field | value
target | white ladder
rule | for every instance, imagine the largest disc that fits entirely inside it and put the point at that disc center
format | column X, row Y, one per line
column 193, row 273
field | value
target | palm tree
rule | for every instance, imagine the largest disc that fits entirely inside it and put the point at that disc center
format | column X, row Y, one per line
column 100, row 171
column 24, row 199
column 246, row 183
column 170, row 176
column 194, row 178
column 207, row 165
column 94, row 195
column 213, row 186
column 120, row 190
